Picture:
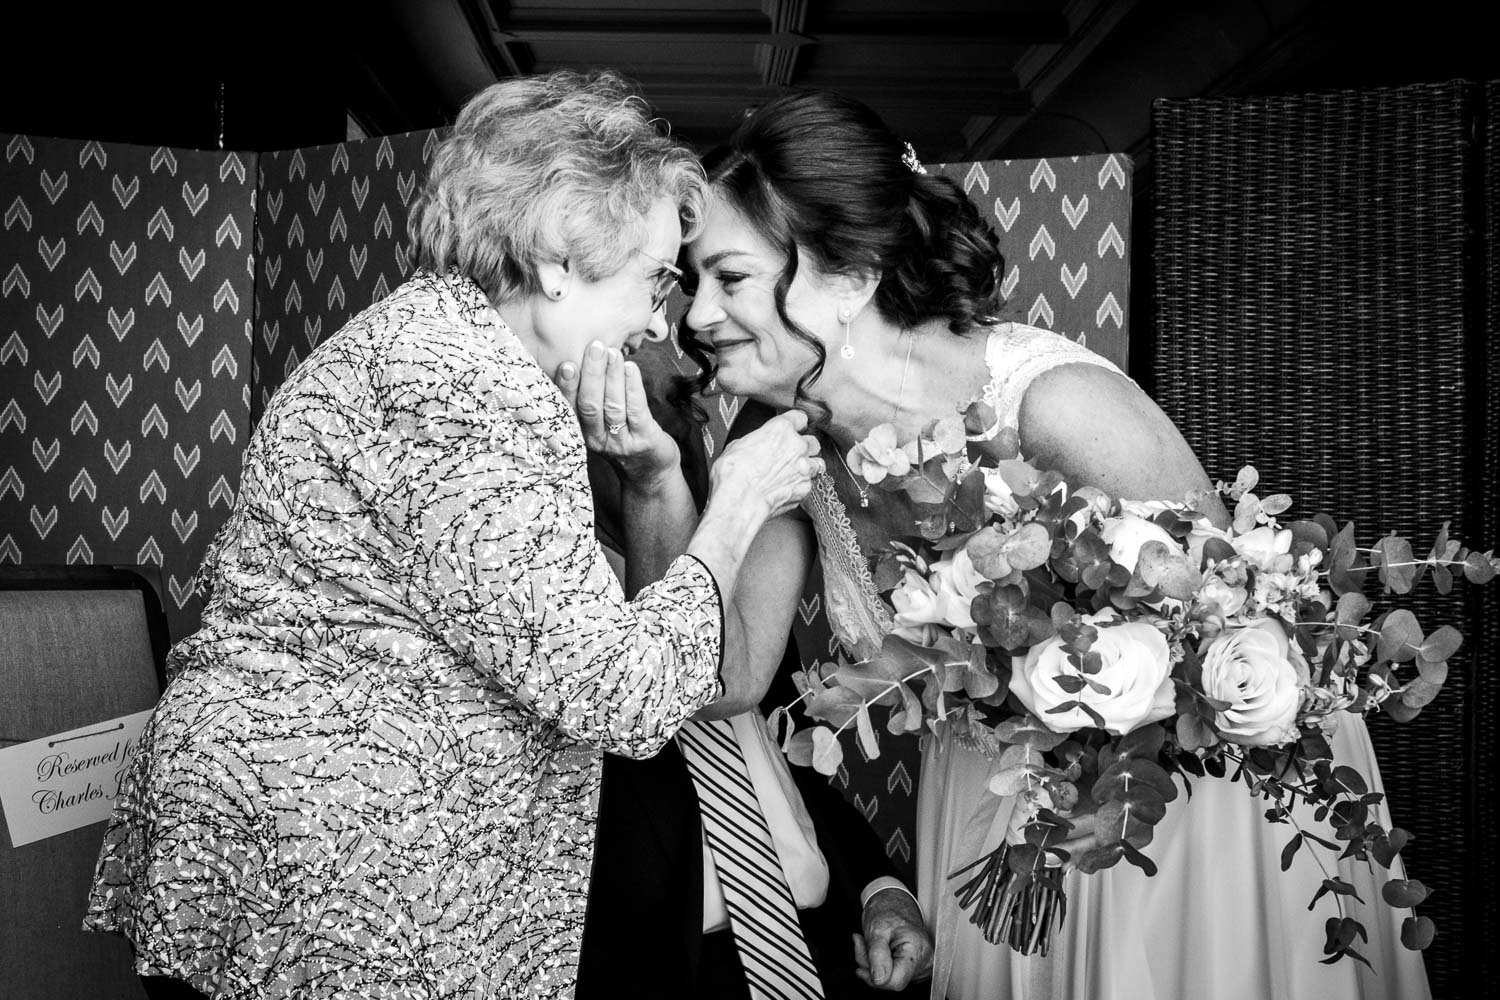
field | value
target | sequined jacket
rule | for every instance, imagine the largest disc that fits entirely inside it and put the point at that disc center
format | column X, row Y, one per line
column 375, row 769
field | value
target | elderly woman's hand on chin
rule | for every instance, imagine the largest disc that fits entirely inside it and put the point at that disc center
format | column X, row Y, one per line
column 609, row 396
column 771, row 468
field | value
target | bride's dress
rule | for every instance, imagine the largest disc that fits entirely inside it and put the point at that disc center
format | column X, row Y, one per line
column 1220, row 918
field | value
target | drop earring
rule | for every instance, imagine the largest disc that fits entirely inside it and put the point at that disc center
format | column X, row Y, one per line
column 846, row 317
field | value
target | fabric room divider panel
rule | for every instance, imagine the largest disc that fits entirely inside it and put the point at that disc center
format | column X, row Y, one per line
column 125, row 307
column 330, row 240
column 1320, row 266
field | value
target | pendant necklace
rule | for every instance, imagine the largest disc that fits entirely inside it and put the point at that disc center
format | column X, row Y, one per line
column 860, row 487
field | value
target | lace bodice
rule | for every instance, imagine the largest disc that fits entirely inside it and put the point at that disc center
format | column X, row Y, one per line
column 1015, row 355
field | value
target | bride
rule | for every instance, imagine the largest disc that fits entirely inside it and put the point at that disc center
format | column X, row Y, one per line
column 833, row 275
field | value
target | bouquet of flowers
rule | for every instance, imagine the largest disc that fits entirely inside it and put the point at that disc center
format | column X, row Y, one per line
column 1099, row 647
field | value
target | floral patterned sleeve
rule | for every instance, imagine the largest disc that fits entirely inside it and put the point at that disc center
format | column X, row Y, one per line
column 500, row 520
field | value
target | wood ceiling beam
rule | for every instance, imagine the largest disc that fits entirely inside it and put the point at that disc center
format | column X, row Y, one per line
column 778, row 63
column 710, row 97
column 783, row 23
column 1044, row 69
column 492, row 41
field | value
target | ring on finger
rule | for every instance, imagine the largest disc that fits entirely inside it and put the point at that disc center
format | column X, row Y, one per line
column 615, row 428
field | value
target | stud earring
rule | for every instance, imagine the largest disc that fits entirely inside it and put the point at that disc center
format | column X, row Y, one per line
column 847, row 319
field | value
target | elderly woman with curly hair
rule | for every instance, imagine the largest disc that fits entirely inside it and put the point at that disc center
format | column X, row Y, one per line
column 375, row 770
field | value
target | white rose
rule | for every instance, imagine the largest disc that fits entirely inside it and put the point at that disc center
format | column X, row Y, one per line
column 1137, row 667
column 915, row 601
column 956, row 582
column 1126, row 534
column 1263, row 546
column 1252, row 669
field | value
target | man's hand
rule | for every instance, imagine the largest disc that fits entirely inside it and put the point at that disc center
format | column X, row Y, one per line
column 895, row 949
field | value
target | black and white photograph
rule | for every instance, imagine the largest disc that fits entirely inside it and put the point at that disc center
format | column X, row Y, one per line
column 749, row 500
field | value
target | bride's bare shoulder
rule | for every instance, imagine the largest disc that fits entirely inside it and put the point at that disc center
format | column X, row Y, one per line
column 1093, row 423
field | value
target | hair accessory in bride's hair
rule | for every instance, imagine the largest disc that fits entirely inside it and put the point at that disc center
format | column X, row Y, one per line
column 910, row 159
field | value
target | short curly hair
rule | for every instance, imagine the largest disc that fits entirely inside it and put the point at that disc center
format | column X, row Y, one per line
column 556, row 167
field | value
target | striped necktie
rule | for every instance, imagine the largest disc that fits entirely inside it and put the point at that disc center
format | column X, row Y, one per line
column 762, row 913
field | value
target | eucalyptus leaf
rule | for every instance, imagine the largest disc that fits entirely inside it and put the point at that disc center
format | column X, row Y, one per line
column 1151, row 562
column 1402, row 893
column 1433, row 673
column 1349, row 780
column 835, row 706
column 1115, row 821
column 869, row 745
column 1122, row 779
column 1308, row 535
column 1417, row 932
column 1070, row 683
column 1245, row 512
column 779, row 727
column 1027, row 547
column 799, row 749
column 1396, row 569
column 1047, row 829
column 1400, row 710
column 1181, row 580
column 1290, row 851
column 1441, row 644
column 1400, row 636
column 1480, row 568
column 1143, row 742
column 1099, row 858
column 827, row 751
column 1194, row 734
column 1138, row 859
column 868, row 681
column 1276, row 503
column 1351, row 608
column 1030, row 731
column 1023, row 859
column 1419, row 692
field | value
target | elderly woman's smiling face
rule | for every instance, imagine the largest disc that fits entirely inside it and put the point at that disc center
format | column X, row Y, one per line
column 735, row 271
column 619, row 310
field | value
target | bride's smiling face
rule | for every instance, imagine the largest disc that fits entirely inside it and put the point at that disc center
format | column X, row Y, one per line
column 735, row 271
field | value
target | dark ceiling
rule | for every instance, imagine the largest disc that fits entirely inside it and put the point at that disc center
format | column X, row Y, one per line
column 960, row 79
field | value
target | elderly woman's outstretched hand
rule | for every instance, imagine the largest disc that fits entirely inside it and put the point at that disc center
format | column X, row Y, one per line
column 775, row 463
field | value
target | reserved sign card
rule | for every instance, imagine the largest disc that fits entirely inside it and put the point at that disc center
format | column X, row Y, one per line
column 59, row 783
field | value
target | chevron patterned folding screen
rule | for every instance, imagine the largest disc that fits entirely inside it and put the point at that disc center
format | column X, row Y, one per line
column 330, row 239
column 124, row 353
column 125, row 397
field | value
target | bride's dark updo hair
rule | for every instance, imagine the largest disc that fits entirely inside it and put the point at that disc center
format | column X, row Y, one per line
column 817, row 170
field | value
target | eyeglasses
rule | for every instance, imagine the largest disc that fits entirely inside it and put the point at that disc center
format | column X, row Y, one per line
column 663, row 280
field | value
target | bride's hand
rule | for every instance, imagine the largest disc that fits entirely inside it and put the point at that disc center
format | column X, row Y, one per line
column 1081, row 838
column 609, row 397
